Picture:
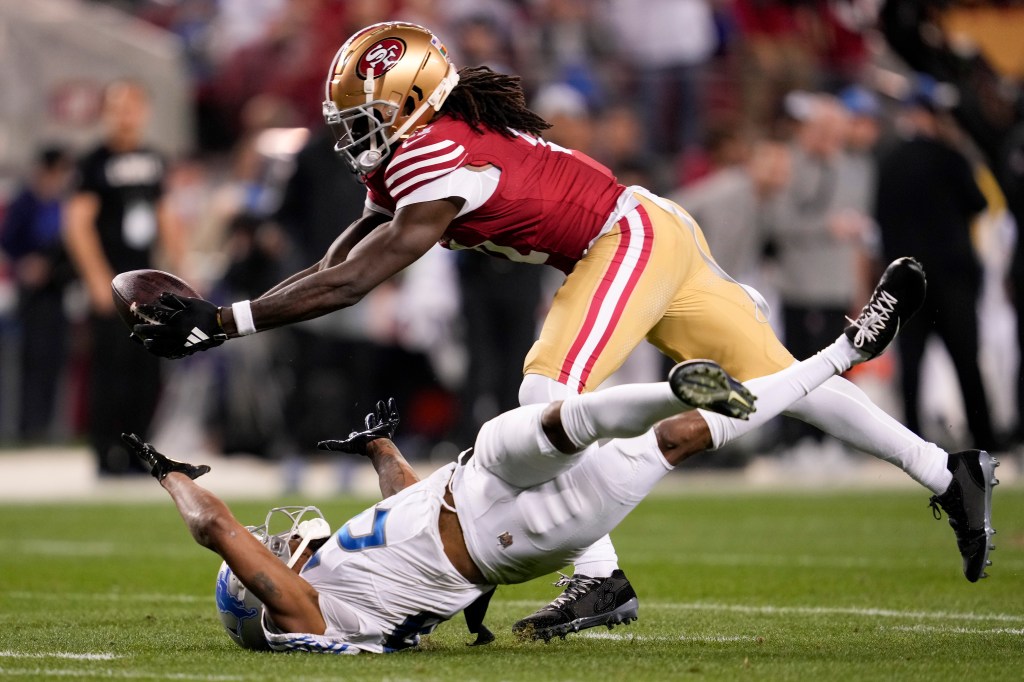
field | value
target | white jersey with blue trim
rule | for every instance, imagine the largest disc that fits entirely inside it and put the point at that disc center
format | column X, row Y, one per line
column 383, row 578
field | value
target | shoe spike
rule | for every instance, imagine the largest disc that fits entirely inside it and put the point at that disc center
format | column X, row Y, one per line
column 988, row 562
column 995, row 481
column 984, row 575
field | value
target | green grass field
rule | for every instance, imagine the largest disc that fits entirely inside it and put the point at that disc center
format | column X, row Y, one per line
column 837, row 586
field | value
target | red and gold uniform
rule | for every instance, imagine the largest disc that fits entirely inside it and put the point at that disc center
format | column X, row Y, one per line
column 637, row 265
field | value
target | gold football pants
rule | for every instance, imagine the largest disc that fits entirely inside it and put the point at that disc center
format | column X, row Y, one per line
column 651, row 276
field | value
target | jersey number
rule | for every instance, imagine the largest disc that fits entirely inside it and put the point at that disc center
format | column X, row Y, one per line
column 375, row 538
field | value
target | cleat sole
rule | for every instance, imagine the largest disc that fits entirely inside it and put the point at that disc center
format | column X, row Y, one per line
column 623, row 615
column 988, row 465
column 703, row 384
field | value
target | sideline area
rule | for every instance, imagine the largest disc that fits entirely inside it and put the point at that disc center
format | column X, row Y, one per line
column 55, row 474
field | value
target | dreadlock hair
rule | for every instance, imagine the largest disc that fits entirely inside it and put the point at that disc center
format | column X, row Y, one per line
column 487, row 99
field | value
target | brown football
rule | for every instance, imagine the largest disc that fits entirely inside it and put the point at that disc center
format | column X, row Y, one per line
column 140, row 287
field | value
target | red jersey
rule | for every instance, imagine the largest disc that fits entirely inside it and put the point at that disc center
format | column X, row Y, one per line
column 550, row 203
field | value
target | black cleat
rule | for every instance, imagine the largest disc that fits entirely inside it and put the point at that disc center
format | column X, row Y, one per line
column 968, row 504
column 159, row 465
column 896, row 298
column 703, row 384
column 587, row 602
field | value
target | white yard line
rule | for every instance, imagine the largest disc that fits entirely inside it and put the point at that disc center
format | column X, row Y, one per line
column 668, row 638
column 110, row 673
column 802, row 561
column 770, row 610
column 840, row 610
column 59, row 654
column 87, row 548
column 109, row 596
column 941, row 629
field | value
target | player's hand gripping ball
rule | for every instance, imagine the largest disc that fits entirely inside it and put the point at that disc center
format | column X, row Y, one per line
column 165, row 314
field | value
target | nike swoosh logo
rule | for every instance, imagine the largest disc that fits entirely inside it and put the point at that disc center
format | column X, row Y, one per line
column 736, row 397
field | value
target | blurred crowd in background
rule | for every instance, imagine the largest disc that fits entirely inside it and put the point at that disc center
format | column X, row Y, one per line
column 808, row 151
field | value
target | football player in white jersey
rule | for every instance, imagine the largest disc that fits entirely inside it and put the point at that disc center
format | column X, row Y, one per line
column 532, row 493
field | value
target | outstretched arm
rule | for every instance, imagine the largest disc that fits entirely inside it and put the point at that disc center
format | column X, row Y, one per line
column 386, row 250
column 394, row 473
column 291, row 601
column 339, row 250
column 367, row 254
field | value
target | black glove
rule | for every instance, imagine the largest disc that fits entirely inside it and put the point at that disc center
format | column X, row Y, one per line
column 183, row 326
column 381, row 423
column 159, row 464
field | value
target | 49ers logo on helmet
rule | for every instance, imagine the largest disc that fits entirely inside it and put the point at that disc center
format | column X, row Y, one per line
column 381, row 56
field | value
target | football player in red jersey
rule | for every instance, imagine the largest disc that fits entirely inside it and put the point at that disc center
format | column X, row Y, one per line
column 456, row 158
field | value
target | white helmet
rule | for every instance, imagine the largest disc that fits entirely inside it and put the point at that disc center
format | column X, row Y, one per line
column 240, row 611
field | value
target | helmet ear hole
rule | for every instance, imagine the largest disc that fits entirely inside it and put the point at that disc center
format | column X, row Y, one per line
column 410, row 106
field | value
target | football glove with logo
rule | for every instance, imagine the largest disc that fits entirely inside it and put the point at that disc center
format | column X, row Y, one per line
column 179, row 326
column 160, row 465
column 381, row 423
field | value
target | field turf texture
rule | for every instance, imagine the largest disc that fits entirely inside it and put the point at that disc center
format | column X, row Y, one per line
column 733, row 586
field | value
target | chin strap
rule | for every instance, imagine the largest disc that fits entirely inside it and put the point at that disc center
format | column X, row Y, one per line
column 436, row 99
column 309, row 530
column 370, row 158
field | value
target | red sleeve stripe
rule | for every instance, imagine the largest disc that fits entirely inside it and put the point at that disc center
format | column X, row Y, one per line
column 418, row 181
column 406, row 154
column 427, row 170
column 412, row 160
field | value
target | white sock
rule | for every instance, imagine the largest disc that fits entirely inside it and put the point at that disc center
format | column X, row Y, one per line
column 844, row 411
column 598, row 560
column 776, row 392
column 618, row 412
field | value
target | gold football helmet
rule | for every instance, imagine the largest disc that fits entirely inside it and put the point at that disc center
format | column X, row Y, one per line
column 386, row 81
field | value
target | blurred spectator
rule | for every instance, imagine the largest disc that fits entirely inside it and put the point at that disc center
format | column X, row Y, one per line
column 113, row 222
column 990, row 108
column 819, row 231
column 288, row 62
column 664, row 46
column 481, row 42
column 927, row 197
column 31, row 238
column 864, row 127
column 776, row 55
column 334, row 361
column 733, row 205
column 862, row 135
column 572, row 44
column 619, row 143
column 500, row 305
column 252, row 392
column 565, row 108
column 842, row 49
column 724, row 145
